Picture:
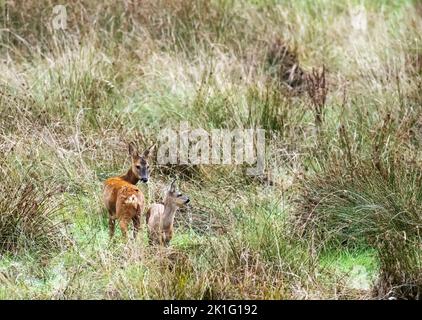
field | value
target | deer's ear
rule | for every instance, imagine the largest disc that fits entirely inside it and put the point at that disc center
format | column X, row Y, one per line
column 173, row 186
column 132, row 150
column 148, row 151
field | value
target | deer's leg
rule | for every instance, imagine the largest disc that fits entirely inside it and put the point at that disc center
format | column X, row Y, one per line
column 123, row 226
column 162, row 238
column 168, row 236
column 136, row 224
column 111, row 225
column 150, row 238
column 153, row 238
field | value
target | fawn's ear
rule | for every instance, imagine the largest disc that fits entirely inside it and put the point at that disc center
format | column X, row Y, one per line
column 148, row 151
column 132, row 150
column 173, row 186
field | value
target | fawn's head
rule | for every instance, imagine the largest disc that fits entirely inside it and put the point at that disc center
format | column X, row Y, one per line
column 175, row 197
column 140, row 165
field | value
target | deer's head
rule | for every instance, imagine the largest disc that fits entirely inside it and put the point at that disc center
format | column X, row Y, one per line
column 175, row 197
column 140, row 165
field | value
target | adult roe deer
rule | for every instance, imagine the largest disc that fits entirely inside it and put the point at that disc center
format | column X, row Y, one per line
column 160, row 217
column 123, row 200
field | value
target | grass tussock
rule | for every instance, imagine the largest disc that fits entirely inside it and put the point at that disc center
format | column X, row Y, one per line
column 30, row 218
column 366, row 210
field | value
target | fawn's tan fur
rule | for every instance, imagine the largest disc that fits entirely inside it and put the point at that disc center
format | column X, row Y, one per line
column 160, row 217
column 123, row 200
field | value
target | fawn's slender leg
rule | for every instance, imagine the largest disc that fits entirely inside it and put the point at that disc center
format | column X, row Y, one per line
column 150, row 240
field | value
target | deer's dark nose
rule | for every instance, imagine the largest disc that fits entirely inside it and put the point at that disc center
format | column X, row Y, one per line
column 144, row 180
column 187, row 201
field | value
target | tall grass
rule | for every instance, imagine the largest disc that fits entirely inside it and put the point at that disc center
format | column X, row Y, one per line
column 370, row 196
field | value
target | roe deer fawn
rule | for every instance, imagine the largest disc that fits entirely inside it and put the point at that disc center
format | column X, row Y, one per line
column 160, row 217
column 123, row 200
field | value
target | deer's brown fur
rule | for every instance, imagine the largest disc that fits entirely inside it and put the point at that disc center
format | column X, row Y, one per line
column 123, row 200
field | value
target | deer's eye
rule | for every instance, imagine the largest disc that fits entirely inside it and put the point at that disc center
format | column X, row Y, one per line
column 138, row 166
